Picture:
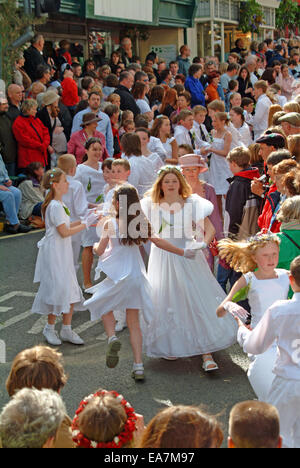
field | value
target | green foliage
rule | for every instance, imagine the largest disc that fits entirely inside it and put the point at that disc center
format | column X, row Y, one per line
column 251, row 16
column 288, row 14
column 13, row 23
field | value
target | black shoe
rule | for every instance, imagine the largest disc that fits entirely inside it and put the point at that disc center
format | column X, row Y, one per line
column 10, row 229
column 23, row 229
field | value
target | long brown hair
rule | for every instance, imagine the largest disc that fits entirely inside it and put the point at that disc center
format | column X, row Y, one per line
column 49, row 179
column 158, row 122
column 170, row 98
column 131, row 144
column 134, row 227
column 182, row 427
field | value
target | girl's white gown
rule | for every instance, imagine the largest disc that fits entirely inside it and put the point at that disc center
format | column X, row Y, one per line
column 126, row 285
column 263, row 294
column 55, row 270
column 185, row 293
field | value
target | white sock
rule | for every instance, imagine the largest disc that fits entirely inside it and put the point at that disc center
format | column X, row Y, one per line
column 112, row 338
column 138, row 366
column 50, row 327
column 66, row 327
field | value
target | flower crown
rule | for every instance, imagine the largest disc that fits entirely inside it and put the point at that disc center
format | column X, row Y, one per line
column 119, row 441
column 263, row 236
column 53, row 171
column 167, row 168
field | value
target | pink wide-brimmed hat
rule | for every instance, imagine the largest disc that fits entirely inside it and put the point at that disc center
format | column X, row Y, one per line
column 193, row 160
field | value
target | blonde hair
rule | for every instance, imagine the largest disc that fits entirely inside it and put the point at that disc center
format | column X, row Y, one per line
column 294, row 146
column 240, row 156
column 276, row 117
column 66, row 162
column 255, row 157
column 289, row 210
column 285, row 166
column 273, row 109
column 49, row 179
column 216, row 105
column 291, row 106
column 156, row 192
column 121, row 162
column 27, row 105
column 223, row 116
column 239, row 255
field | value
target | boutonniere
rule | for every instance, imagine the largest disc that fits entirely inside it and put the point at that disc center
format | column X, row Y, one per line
column 89, row 185
column 67, row 211
column 164, row 224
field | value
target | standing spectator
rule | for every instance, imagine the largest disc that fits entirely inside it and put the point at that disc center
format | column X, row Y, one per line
column 15, row 96
column 183, row 60
column 31, row 419
column 113, row 113
column 104, row 125
column 174, row 68
column 76, row 145
column 34, row 56
column 32, row 136
column 263, row 104
column 69, row 95
column 251, row 66
column 77, row 71
column 139, row 93
column 123, row 90
column 126, row 51
column 8, row 146
column 43, row 74
column 193, row 85
column 285, row 81
column 229, row 75
column 20, row 76
column 10, row 197
column 239, row 47
column 212, row 88
column 245, row 85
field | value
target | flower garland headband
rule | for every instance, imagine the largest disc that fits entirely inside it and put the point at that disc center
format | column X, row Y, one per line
column 119, row 441
column 263, row 236
column 168, row 168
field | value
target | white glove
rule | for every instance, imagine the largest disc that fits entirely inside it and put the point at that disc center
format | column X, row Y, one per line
column 190, row 253
column 236, row 311
column 90, row 219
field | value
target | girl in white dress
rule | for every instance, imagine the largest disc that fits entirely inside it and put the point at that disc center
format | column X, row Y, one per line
column 257, row 259
column 162, row 129
column 144, row 136
column 142, row 173
column 220, row 147
column 185, row 293
column 90, row 174
column 126, row 286
column 55, row 271
column 238, row 120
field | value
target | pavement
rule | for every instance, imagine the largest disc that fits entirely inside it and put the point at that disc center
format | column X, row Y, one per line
column 167, row 382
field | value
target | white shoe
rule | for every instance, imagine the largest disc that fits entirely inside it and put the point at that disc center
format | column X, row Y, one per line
column 51, row 336
column 120, row 325
column 71, row 337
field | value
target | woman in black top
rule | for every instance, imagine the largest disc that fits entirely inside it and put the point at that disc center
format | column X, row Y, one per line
column 245, row 85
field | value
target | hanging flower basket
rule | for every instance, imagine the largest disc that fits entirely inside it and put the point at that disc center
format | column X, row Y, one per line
column 251, row 16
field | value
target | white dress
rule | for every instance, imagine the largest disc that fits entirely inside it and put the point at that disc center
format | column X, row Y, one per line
column 219, row 170
column 93, row 184
column 185, row 292
column 126, row 285
column 142, row 173
column 262, row 295
column 55, row 269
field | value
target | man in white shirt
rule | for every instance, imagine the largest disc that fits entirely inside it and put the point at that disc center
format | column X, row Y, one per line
column 282, row 323
column 263, row 104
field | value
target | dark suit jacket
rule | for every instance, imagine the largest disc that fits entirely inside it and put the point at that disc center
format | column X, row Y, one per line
column 33, row 58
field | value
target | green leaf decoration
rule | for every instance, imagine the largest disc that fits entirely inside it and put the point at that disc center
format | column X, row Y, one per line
column 242, row 294
column 89, row 185
column 100, row 199
column 163, row 225
column 67, row 211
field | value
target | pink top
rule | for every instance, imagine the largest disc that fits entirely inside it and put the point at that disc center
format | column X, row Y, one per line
column 77, row 142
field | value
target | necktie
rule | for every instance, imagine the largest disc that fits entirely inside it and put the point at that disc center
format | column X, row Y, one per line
column 203, row 137
column 192, row 140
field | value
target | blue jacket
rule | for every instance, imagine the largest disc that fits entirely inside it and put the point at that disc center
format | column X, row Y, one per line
column 194, row 86
column 4, row 177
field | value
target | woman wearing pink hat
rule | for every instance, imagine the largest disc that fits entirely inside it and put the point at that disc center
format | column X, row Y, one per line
column 192, row 166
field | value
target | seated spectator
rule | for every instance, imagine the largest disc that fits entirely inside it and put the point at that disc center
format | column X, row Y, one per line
column 76, row 145
column 10, row 197
column 254, row 424
column 31, row 419
column 33, row 195
column 32, row 136
column 41, row 367
column 181, row 427
column 115, row 423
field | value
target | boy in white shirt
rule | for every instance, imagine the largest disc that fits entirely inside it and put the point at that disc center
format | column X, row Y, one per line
column 185, row 133
column 282, row 323
column 75, row 200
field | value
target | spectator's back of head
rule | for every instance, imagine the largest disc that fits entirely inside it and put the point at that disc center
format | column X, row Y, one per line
column 182, row 427
column 254, row 424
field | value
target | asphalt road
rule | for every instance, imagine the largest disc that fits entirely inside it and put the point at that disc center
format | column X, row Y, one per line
column 176, row 382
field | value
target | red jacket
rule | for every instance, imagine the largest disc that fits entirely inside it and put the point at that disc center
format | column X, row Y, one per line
column 33, row 140
column 69, row 92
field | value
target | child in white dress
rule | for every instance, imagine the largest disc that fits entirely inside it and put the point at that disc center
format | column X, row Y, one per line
column 75, row 200
column 185, row 293
column 91, row 176
column 126, row 285
column 142, row 173
column 144, row 135
column 59, row 291
column 281, row 324
column 257, row 259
